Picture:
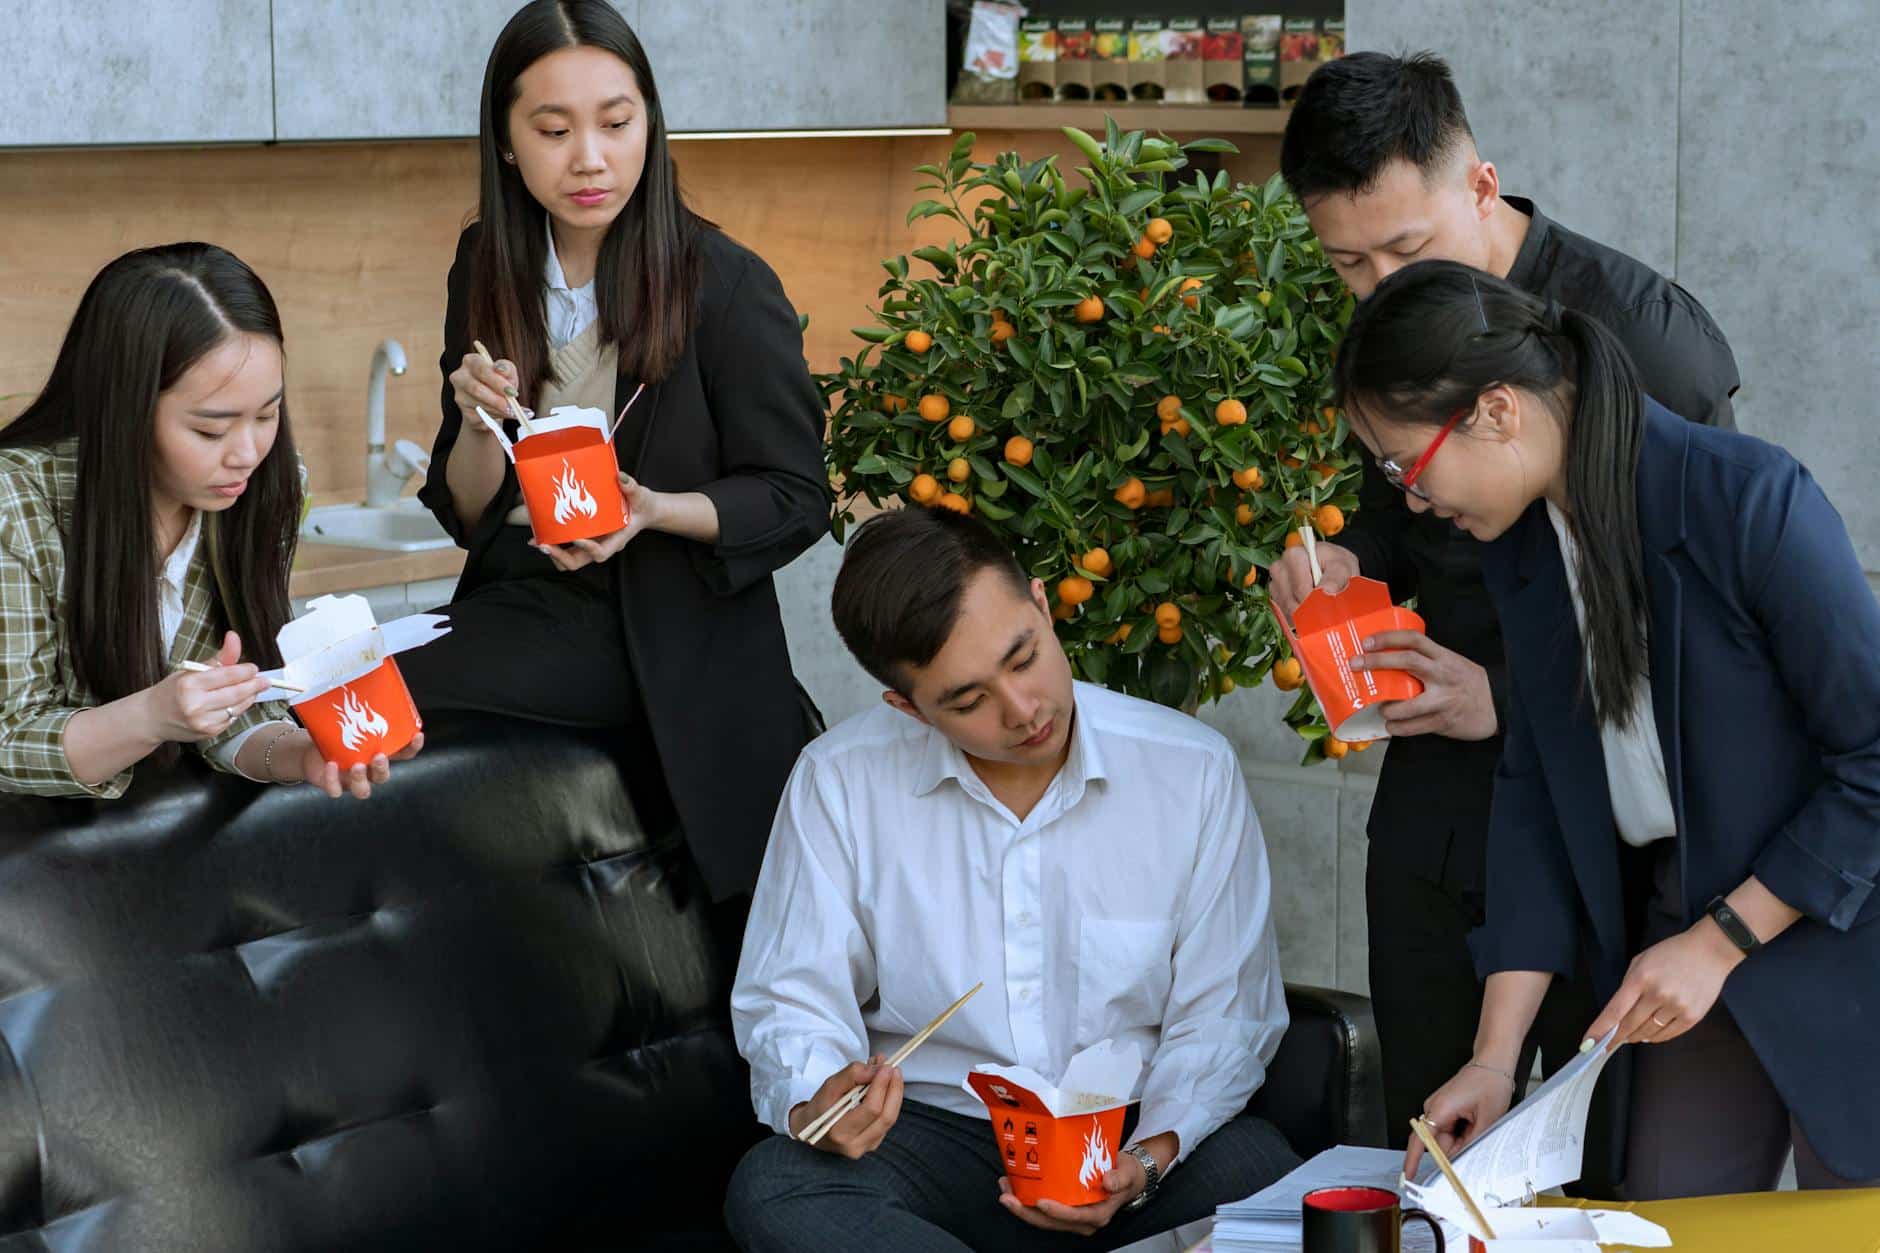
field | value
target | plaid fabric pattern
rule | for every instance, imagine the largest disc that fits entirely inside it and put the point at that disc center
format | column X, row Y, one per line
column 39, row 691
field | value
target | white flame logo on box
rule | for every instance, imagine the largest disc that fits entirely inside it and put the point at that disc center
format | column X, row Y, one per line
column 1097, row 1159
column 572, row 496
column 358, row 720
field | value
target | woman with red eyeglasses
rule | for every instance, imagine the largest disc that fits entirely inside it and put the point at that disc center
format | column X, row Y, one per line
column 1689, row 793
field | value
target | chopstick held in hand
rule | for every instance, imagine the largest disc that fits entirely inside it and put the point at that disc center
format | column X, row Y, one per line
column 515, row 406
column 815, row 1131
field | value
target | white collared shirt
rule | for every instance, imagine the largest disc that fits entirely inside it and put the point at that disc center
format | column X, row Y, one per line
column 571, row 310
column 1635, row 760
column 170, row 583
column 1132, row 903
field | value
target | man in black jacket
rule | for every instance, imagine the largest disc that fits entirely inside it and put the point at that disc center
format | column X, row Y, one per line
column 1379, row 150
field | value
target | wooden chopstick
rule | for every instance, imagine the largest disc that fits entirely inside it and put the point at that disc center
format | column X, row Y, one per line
column 1312, row 554
column 196, row 667
column 1428, row 1136
column 814, row 1133
column 515, row 406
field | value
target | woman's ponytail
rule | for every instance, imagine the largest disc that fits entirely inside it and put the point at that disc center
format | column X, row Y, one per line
column 1602, row 492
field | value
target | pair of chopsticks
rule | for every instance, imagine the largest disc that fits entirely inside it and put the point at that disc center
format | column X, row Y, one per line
column 1311, row 542
column 1427, row 1134
column 515, row 407
column 814, row 1133
column 196, row 667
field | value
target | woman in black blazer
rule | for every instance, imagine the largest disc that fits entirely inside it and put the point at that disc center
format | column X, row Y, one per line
column 1689, row 792
column 587, row 275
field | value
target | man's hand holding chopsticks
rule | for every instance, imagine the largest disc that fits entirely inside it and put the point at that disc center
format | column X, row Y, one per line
column 861, row 1131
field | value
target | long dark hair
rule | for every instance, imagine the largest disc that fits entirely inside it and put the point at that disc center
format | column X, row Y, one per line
column 1435, row 336
column 646, row 281
column 145, row 320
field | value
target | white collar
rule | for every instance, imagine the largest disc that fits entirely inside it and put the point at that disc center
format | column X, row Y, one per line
column 553, row 275
column 176, row 566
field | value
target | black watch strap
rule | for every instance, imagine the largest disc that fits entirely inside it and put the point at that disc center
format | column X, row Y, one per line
column 1733, row 926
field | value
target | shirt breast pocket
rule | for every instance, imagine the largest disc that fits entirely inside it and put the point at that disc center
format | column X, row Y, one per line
column 1124, row 969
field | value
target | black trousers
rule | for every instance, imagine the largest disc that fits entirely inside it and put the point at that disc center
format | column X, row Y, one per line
column 1428, row 1002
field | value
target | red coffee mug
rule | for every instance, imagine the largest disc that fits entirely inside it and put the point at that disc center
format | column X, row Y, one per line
column 1358, row 1220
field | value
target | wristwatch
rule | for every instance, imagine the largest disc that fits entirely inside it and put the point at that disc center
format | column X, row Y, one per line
column 1733, row 926
column 1149, row 1168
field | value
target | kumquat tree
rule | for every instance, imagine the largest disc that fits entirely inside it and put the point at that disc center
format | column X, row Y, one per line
column 1127, row 379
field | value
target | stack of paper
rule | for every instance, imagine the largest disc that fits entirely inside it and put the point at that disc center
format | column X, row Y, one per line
column 1269, row 1221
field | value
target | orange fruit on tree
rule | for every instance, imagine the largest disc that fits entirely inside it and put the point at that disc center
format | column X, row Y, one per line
column 1335, row 748
column 956, row 502
column 1330, row 520
column 1168, row 408
column 1249, row 479
column 1160, row 498
column 918, row 342
column 1131, row 494
column 1169, row 634
column 1242, row 515
column 1159, row 231
column 1001, row 331
column 893, row 403
column 958, row 470
column 1288, row 674
column 1063, row 612
column 1168, row 614
column 961, row 429
column 1230, row 412
column 934, row 407
column 1331, row 417
column 1018, row 450
column 1179, row 426
column 925, row 489
column 1075, row 590
column 1089, row 309
column 1097, row 561
column 1265, row 298
column 1159, row 329
column 1189, row 285
column 1119, row 636
column 1143, row 248
column 1253, row 576
column 1293, row 539
column 1360, row 746
column 1326, row 472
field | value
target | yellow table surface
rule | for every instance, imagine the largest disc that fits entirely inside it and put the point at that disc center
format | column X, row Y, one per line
column 1761, row 1222
column 1757, row 1222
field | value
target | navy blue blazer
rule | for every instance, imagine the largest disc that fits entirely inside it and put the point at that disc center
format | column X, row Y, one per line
column 1765, row 675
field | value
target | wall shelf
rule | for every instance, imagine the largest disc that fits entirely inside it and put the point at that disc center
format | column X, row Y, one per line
column 1175, row 119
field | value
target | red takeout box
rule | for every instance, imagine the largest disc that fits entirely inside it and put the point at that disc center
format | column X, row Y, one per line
column 569, row 477
column 1058, row 1142
column 1327, row 631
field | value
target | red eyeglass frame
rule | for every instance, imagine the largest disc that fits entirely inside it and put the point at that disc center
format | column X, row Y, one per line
column 1407, row 479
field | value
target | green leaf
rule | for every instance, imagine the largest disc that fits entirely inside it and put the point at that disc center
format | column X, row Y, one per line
column 924, row 209
column 1136, row 201
column 1017, row 401
column 1171, row 679
column 874, row 334
column 998, row 513
column 1024, row 478
column 1209, row 145
column 939, row 258
column 895, row 266
column 873, row 463
column 1292, row 365
column 1152, row 582
column 1085, row 144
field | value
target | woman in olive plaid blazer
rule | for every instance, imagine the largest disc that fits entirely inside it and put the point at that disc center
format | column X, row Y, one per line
column 148, row 505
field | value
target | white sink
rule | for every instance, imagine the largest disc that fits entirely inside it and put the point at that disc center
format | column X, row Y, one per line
column 403, row 527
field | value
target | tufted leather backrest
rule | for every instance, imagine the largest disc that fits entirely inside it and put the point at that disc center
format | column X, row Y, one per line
column 480, row 1010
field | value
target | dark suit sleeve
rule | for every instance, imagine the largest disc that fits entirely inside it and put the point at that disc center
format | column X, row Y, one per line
column 772, row 495
column 1375, row 533
column 1532, row 920
column 1808, row 591
column 1682, row 357
column 435, row 493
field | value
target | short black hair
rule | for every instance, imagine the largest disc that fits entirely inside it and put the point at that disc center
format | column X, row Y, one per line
column 1359, row 113
column 903, row 576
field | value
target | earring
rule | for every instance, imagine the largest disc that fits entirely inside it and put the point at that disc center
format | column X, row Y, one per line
column 510, row 157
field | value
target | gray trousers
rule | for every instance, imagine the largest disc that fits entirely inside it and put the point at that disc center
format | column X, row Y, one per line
column 933, row 1185
column 1706, row 1120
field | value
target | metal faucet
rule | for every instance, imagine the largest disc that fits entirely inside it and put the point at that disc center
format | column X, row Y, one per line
column 385, row 475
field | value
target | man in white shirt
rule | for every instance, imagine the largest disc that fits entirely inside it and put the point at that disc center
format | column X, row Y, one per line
column 1092, row 858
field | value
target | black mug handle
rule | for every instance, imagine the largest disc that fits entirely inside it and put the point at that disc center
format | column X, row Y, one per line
column 1435, row 1227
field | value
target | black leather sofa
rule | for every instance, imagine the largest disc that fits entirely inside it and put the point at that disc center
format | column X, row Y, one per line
column 482, row 1010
